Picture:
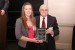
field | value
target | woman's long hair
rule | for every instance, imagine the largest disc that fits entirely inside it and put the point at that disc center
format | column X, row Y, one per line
column 23, row 16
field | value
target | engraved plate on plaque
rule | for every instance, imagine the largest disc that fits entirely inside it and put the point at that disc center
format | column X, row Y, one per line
column 41, row 34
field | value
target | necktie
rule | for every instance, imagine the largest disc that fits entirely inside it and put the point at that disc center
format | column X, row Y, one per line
column 43, row 23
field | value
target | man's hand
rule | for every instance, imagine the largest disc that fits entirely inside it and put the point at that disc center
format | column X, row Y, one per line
column 2, row 12
column 49, row 31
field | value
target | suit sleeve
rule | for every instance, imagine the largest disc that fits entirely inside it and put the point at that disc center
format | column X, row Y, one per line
column 6, row 5
column 18, row 26
column 55, row 28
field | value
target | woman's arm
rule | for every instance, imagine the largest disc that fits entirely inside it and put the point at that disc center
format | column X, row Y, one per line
column 19, row 35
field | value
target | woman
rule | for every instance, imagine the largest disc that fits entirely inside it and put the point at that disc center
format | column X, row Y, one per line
column 24, row 29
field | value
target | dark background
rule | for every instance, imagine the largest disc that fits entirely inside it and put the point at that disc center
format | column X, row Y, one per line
column 14, row 12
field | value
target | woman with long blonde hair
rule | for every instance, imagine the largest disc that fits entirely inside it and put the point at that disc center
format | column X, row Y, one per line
column 24, row 31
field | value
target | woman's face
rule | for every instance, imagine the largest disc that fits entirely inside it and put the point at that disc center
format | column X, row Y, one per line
column 27, row 10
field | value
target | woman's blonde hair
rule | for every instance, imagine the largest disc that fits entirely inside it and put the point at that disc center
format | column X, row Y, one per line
column 23, row 17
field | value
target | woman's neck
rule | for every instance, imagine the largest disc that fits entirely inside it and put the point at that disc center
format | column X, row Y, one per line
column 28, row 18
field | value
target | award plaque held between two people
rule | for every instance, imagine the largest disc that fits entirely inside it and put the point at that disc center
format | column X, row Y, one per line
column 41, row 34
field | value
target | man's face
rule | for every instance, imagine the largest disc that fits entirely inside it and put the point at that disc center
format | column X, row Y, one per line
column 43, row 10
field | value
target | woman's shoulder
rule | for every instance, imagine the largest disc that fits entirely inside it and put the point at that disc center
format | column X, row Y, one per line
column 19, row 20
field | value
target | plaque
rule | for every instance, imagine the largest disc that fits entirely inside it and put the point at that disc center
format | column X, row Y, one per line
column 41, row 34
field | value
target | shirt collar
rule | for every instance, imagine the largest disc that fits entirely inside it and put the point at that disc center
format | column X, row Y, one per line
column 44, row 17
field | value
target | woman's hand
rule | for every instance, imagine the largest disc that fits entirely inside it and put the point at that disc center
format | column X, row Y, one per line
column 37, row 41
column 40, row 41
column 23, row 38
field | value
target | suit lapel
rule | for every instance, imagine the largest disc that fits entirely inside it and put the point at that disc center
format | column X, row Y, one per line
column 48, row 21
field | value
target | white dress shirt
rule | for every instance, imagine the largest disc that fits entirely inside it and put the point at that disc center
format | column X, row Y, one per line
column 41, row 19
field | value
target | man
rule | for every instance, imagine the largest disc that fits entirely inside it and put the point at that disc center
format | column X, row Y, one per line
column 3, row 20
column 50, row 23
column 3, row 6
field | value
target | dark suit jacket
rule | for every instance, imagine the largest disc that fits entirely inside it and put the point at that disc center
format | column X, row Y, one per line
column 4, row 4
column 51, row 21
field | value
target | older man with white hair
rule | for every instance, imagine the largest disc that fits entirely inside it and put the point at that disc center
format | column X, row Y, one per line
column 44, row 20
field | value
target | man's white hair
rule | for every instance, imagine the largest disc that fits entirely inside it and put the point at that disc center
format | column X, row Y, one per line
column 43, row 5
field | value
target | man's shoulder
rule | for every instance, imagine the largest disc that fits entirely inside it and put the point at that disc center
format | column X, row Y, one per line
column 50, row 16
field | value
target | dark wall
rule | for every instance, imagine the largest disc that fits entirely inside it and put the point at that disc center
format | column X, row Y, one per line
column 73, row 39
column 14, row 12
